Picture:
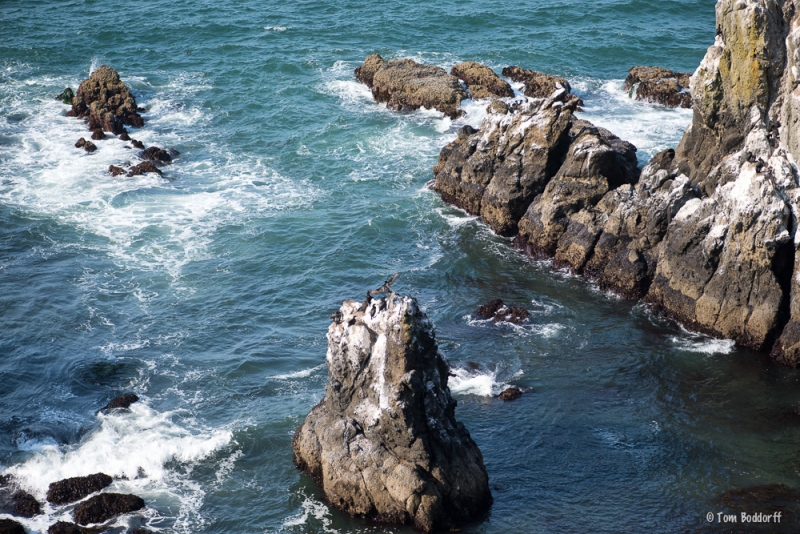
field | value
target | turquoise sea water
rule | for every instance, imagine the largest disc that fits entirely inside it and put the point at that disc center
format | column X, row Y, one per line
column 209, row 294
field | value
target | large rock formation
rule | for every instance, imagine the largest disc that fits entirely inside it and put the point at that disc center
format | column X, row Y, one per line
column 659, row 86
column 708, row 234
column 406, row 85
column 384, row 442
column 105, row 102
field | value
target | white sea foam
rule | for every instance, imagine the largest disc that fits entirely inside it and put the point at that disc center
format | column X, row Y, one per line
column 650, row 127
column 313, row 513
column 480, row 382
column 276, row 28
column 140, row 449
column 298, row 374
column 703, row 344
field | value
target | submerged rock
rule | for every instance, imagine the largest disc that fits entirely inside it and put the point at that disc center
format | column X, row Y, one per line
column 103, row 507
column 406, row 85
column 25, row 504
column 9, row 526
column 76, row 488
column 113, row 170
column 143, row 168
column 481, row 81
column 123, row 401
column 154, row 153
column 499, row 312
column 659, row 86
column 510, row 394
column 105, row 102
column 384, row 442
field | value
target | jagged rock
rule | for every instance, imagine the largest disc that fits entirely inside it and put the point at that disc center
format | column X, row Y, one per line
column 66, row 96
column 105, row 102
column 80, row 143
column 497, row 106
column 76, row 488
column 537, row 84
column 142, row 168
column 497, row 171
column 499, row 312
column 25, row 504
column 154, row 153
column 9, row 526
column 406, row 85
column 103, row 507
column 98, row 134
column 123, row 401
column 113, row 170
column 89, row 147
column 481, row 81
column 659, row 86
column 510, row 394
column 124, row 136
column 137, row 144
column 384, row 441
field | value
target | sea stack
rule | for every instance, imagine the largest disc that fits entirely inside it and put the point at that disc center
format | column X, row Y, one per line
column 384, row 442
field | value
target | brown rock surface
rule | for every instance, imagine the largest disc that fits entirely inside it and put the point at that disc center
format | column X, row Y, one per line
column 406, row 85
column 481, row 81
column 537, row 84
column 384, row 441
column 659, row 86
column 105, row 102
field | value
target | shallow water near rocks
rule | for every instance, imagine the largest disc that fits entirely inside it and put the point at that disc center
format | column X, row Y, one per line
column 209, row 295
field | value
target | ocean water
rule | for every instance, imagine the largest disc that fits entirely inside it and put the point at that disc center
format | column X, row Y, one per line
column 208, row 293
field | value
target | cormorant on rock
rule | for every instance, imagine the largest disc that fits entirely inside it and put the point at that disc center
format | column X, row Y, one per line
column 385, row 289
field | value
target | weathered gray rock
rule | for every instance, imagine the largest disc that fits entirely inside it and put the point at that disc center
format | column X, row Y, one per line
column 481, row 81
column 659, row 86
column 406, row 85
column 384, row 442
column 709, row 232
column 76, row 488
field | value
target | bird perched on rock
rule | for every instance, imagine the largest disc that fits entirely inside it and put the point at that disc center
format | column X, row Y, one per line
column 385, row 289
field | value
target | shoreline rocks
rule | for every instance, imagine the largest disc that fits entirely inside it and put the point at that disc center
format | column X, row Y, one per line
column 384, row 442
column 659, row 86
column 537, row 84
column 481, row 81
column 708, row 233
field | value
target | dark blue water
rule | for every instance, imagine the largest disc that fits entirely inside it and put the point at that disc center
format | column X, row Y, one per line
column 209, row 294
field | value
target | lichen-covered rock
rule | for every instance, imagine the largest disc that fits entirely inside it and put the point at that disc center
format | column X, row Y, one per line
column 384, row 442
column 406, row 85
column 76, row 488
column 481, row 81
column 9, row 526
column 498, row 311
column 659, row 86
column 103, row 507
column 537, row 84
column 105, row 102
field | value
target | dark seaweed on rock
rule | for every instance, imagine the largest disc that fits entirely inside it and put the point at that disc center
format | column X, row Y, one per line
column 76, row 488
column 105, row 506
column 25, row 504
column 123, row 401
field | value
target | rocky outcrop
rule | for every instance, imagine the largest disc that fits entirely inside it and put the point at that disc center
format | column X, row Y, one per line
column 498, row 311
column 537, row 84
column 105, row 506
column 105, row 102
column 510, row 394
column 659, row 86
column 76, row 488
column 66, row 96
column 9, row 526
column 384, row 442
column 406, row 85
column 481, row 81
column 708, row 232
column 498, row 171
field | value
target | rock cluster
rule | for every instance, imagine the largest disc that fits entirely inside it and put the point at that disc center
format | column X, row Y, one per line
column 406, row 85
column 107, row 105
column 384, row 442
column 481, row 81
column 497, row 311
column 708, row 233
column 536, row 84
column 659, row 86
